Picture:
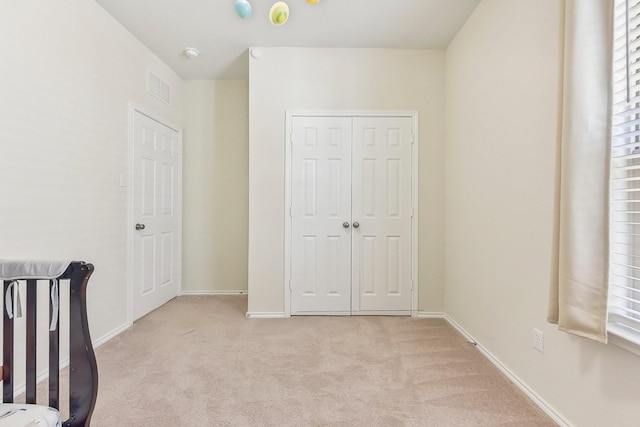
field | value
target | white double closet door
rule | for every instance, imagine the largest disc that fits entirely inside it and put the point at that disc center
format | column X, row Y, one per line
column 351, row 215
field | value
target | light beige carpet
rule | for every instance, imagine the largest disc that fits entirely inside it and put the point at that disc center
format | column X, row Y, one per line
column 197, row 361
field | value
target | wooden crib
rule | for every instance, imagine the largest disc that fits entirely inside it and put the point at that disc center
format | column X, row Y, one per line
column 83, row 371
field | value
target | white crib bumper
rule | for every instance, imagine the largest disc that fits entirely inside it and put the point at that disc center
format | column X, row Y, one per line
column 20, row 415
column 29, row 269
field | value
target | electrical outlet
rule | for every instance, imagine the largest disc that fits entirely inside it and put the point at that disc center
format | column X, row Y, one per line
column 538, row 340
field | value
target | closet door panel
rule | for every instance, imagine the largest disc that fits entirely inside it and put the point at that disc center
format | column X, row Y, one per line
column 381, row 197
column 320, row 206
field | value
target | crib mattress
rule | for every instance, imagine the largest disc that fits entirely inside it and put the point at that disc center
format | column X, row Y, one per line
column 20, row 415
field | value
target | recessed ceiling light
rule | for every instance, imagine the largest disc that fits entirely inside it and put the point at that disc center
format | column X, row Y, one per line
column 191, row 52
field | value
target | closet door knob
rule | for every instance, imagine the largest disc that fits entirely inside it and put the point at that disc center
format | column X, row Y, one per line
column 139, row 226
column 356, row 224
column 345, row 224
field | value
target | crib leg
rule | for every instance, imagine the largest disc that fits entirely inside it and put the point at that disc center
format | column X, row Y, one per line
column 83, row 370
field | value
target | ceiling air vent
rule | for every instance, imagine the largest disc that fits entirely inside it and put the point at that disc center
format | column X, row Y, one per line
column 159, row 88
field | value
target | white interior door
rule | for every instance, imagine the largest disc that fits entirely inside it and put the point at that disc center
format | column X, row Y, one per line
column 321, row 215
column 351, row 215
column 156, row 214
column 381, row 213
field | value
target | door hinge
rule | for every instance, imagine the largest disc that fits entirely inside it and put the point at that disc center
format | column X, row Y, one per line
column 413, row 139
column 290, row 212
column 290, row 288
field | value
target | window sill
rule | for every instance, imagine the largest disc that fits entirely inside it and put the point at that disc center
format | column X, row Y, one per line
column 624, row 337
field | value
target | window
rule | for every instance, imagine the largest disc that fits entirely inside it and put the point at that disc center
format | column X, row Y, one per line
column 624, row 271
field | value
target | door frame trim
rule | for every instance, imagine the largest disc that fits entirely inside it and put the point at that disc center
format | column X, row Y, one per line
column 129, row 182
column 289, row 116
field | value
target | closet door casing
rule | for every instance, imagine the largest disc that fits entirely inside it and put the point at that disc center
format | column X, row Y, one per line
column 351, row 215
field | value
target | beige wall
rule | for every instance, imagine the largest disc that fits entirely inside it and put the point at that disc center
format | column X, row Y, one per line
column 339, row 79
column 216, row 186
column 503, row 117
column 68, row 74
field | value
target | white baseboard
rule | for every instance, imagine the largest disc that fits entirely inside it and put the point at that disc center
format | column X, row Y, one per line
column 214, row 292
column 102, row 340
column 429, row 315
column 266, row 315
column 548, row 409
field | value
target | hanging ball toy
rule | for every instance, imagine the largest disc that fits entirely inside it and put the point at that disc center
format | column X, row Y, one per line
column 279, row 13
column 243, row 9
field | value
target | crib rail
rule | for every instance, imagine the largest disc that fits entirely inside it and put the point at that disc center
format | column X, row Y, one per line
column 83, row 371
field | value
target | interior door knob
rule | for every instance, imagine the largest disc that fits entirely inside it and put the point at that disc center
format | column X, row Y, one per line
column 356, row 224
column 139, row 226
column 345, row 224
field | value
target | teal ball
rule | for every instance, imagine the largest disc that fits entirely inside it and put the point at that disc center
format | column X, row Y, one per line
column 243, row 8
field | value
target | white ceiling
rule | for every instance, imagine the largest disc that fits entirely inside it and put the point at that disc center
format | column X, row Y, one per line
column 222, row 37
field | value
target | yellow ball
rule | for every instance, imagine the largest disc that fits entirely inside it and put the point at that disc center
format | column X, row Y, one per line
column 313, row 1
